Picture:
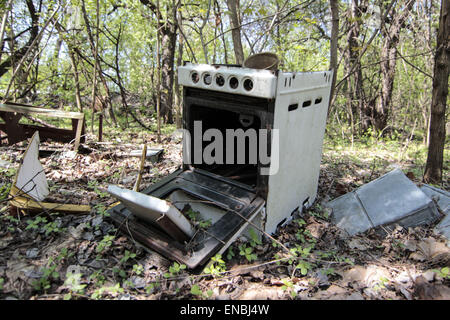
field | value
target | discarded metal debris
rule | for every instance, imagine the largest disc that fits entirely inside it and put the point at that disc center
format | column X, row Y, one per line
column 442, row 199
column 30, row 177
column 282, row 113
column 30, row 186
column 152, row 154
column 444, row 228
column 156, row 211
column 205, row 187
column 389, row 200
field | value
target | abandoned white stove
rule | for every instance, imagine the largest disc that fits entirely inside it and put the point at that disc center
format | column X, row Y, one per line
column 220, row 183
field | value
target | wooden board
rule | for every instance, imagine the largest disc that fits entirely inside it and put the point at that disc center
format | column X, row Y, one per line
column 41, row 111
column 11, row 114
column 25, row 203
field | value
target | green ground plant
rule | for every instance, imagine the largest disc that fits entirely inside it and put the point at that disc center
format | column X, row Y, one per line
column 443, row 272
column 49, row 273
column 174, row 270
column 104, row 245
column 247, row 252
column 196, row 291
column 73, row 283
column 216, row 266
column 288, row 286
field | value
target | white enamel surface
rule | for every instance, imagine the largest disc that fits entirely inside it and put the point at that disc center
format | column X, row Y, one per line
column 31, row 176
column 150, row 208
column 301, row 134
column 264, row 81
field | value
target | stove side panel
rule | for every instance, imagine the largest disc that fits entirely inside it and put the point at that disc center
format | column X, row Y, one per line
column 300, row 116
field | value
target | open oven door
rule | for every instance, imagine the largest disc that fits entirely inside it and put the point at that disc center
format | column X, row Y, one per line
column 230, row 207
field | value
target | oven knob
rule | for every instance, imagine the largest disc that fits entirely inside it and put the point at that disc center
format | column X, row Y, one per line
column 220, row 80
column 194, row 77
column 207, row 79
column 233, row 82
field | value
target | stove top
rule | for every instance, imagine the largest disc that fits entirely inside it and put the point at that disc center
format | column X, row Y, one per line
column 231, row 79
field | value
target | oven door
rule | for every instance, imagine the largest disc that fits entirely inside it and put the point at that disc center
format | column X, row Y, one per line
column 226, row 205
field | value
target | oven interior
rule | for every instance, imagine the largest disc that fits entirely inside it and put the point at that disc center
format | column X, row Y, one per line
column 244, row 170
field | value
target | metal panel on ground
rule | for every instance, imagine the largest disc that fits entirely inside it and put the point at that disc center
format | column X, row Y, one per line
column 389, row 200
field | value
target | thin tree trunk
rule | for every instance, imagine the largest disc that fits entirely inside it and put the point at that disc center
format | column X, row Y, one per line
column 168, row 37
column 391, row 37
column 30, row 48
column 166, row 53
column 158, row 75
column 168, row 46
column 122, row 90
column 357, row 104
column 435, row 159
column 55, row 60
column 178, row 95
column 179, row 21
column 2, row 26
column 200, row 32
column 222, row 33
column 119, row 78
column 235, row 21
column 17, row 55
column 94, row 74
column 334, row 8
column 76, row 79
column 73, row 63
column 98, row 68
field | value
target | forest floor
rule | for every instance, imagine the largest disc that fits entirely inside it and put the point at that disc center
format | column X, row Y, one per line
column 83, row 256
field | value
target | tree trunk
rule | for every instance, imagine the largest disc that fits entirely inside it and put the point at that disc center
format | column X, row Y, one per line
column 158, row 75
column 357, row 104
column 219, row 16
column 388, row 59
column 73, row 63
column 123, row 93
column 55, row 60
column 168, row 33
column 17, row 55
column 97, row 62
column 334, row 8
column 434, row 165
column 76, row 79
column 168, row 45
column 3, row 25
column 178, row 95
column 235, row 21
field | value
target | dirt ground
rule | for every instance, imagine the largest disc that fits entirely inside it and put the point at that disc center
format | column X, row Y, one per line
column 52, row 255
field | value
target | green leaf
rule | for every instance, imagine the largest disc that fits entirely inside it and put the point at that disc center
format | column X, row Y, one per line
column 195, row 290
